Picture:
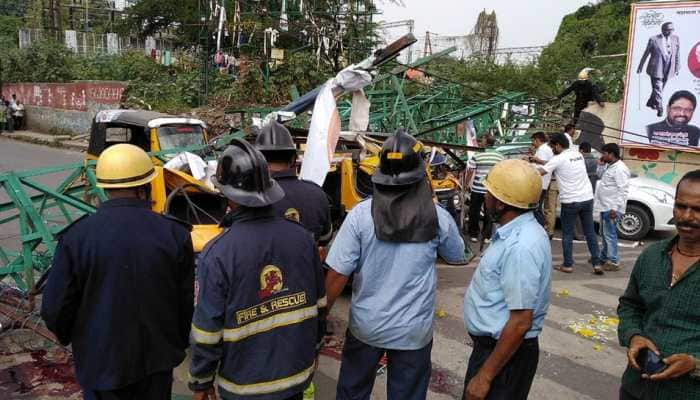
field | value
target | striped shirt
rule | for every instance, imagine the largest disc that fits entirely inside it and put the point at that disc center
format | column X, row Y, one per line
column 482, row 164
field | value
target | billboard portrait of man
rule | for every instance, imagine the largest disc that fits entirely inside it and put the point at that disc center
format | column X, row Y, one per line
column 676, row 129
column 664, row 63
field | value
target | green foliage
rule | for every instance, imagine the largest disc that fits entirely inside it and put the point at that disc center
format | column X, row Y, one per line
column 42, row 62
column 13, row 8
column 593, row 30
column 299, row 70
column 9, row 26
column 148, row 17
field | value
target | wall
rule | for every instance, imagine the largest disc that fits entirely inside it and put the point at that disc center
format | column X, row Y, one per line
column 667, row 166
column 65, row 107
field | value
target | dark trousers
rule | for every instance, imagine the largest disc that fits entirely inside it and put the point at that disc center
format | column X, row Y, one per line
column 657, row 90
column 10, row 124
column 157, row 386
column 583, row 211
column 539, row 214
column 515, row 379
column 476, row 201
column 408, row 371
column 625, row 395
column 578, row 108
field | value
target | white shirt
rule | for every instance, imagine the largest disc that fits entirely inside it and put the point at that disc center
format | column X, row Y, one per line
column 613, row 187
column 545, row 153
column 571, row 142
column 570, row 169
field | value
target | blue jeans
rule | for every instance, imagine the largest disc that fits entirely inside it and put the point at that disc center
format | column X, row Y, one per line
column 408, row 371
column 569, row 213
column 608, row 230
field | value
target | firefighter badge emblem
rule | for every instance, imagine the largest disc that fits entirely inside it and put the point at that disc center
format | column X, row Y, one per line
column 270, row 281
column 292, row 214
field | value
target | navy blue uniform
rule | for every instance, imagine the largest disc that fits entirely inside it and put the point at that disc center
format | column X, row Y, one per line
column 304, row 202
column 259, row 314
column 121, row 291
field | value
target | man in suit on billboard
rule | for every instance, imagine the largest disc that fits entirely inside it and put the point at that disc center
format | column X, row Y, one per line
column 664, row 63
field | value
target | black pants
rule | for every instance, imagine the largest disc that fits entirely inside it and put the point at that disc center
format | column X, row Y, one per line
column 625, row 395
column 476, row 201
column 408, row 371
column 515, row 379
column 157, row 386
column 578, row 108
column 539, row 214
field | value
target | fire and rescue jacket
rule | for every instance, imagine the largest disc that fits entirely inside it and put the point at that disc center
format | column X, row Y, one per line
column 121, row 291
column 258, row 318
column 304, row 202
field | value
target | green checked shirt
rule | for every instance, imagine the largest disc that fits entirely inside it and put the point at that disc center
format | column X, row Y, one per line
column 668, row 316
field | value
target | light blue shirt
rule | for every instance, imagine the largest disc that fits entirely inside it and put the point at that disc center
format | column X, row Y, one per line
column 394, row 284
column 513, row 274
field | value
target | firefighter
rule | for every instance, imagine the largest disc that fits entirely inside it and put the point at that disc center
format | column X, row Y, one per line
column 304, row 201
column 259, row 316
column 390, row 243
column 121, row 286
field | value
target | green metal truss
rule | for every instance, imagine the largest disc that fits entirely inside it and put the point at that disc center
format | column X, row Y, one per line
column 36, row 213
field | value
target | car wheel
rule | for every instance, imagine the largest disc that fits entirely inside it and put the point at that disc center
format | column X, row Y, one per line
column 635, row 224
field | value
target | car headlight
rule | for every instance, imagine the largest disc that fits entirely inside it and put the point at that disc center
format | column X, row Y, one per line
column 660, row 195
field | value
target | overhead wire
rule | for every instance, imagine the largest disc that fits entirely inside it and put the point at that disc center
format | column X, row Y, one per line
column 562, row 115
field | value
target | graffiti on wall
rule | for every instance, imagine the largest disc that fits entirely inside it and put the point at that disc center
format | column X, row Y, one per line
column 75, row 96
column 667, row 166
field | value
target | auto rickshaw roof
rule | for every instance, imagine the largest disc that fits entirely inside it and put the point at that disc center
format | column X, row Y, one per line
column 150, row 119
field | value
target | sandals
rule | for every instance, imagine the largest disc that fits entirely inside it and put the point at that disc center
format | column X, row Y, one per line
column 564, row 269
column 598, row 270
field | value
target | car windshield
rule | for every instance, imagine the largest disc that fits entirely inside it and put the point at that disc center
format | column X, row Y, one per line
column 177, row 136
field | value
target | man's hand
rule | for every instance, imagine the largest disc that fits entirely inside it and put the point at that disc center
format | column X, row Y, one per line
column 209, row 394
column 638, row 343
column 678, row 365
column 612, row 214
column 478, row 387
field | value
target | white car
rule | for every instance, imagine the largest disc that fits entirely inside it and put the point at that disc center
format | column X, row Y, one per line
column 649, row 207
column 649, row 203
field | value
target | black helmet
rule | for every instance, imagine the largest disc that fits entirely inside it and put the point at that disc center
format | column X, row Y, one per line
column 242, row 176
column 401, row 162
column 274, row 137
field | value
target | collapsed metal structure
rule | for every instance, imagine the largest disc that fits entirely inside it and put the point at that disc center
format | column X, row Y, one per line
column 36, row 211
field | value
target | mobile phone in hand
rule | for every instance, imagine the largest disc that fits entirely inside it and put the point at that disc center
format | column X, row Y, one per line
column 650, row 362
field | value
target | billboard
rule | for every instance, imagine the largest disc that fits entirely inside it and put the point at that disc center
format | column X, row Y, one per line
column 663, row 77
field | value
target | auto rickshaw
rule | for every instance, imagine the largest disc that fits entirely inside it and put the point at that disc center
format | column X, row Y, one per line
column 174, row 192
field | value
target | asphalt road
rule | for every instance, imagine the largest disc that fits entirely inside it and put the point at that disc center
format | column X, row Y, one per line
column 580, row 358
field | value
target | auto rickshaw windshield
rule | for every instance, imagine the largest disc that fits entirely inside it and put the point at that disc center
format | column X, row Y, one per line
column 177, row 136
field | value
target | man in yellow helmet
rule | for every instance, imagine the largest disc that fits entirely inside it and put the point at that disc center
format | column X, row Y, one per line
column 121, row 287
column 507, row 300
column 585, row 91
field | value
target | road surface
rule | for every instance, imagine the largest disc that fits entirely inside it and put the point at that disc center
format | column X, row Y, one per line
column 580, row 358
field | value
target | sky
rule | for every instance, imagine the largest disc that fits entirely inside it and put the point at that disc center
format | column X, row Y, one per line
column 521, row 23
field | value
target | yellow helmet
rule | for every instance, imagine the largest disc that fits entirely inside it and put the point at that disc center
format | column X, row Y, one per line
column 584, row 74
column 124, row 166
column 516, row 183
